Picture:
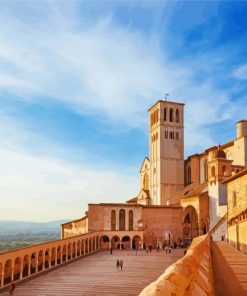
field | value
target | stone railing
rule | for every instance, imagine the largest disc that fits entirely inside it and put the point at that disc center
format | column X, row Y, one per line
column 190, row 275
column 28, row 262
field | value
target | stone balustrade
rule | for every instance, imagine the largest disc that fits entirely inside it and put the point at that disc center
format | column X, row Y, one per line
column 21, row 264
column 190, row 275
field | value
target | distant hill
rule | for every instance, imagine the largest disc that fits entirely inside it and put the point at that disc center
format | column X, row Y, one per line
column 12, row 227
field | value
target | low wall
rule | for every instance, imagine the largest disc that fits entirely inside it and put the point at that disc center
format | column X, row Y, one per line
column 190, row 275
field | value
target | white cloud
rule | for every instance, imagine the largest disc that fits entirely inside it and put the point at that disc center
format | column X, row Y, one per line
column 42, row 189
column 241, row 72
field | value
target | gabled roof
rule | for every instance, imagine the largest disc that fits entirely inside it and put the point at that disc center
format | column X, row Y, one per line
column 197, row 191
column 145, row 159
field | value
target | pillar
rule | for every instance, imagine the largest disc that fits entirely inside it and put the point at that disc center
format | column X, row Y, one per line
column 1, row 275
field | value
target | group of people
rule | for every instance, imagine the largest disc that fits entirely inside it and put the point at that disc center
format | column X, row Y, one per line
column 119, row 264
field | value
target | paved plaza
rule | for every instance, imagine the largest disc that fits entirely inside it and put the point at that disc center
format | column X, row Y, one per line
column 97, row 275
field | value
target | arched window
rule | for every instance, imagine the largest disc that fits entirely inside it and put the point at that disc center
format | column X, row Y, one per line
column 113, row 220
column 213, row 171
column 131, row 220
column 187, row 218
column 224, row 170
column 165, row 114
column 205, row 170
column 177, row 115
column 228, row 155
column 122, row 219
column 146, row 182
column 189, row 175
column 234, row 199
column 171, row 113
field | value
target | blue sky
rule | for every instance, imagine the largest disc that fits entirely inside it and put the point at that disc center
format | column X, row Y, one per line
column 77, row 79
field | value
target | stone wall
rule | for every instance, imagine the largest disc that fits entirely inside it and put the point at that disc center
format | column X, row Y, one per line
column 190, row 275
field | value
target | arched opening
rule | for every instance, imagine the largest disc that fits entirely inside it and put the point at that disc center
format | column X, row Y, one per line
column 168, row 238
column 213, row 171
column 1, row 272
column 131, row 220
column 90, row 245
column 25, row 267
column 64, row 253
column 59, row 254
column 171, row 115
column 7, row 272
column 115, row 242
column 93, row 243
column 224, row 170
column 33, row 263
column 165, row 114
column 126, row 242
column 228, row 155
column 74, row 250
column 69, row 251
column 82, row 247
column 104, row 242
column 53, row 256
column 122, row 219
column 136, row 242
column 190, row 224
column 205, row 170
column 146, row 182
column 86, row 246
column 113, row 220
column 78, row 248
column 189, row 175
column 47, row 258
column 40, row 260
column 177, row 115
column 97, row 243
column 17, row 269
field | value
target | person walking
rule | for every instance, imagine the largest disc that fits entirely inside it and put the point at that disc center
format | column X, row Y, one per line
column 121, row 264
column 147, row 249
column 117, row 264
column 12, row 287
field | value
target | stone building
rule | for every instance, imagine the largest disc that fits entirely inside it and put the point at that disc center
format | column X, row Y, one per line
column 179, row 198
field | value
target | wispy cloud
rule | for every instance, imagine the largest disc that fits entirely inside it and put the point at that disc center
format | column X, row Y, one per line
column 241, row 72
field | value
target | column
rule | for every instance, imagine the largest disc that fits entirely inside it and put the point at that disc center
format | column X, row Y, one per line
column 1, row 279
column 29, row 266
column 21, row 269
column 131, row 239
column 76, row 250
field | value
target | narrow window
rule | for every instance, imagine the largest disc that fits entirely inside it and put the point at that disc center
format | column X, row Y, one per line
column 205, row 170
column 177, row 115
column 165, row 112
column 113, row 220
column 234, row 199
column 189, row 175
column 122, row 220
column 131, row 220
column 171, row 111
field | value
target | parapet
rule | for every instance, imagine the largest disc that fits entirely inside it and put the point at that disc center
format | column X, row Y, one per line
column 190, row 275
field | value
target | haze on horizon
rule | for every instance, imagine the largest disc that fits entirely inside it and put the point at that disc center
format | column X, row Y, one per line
column 77, row 79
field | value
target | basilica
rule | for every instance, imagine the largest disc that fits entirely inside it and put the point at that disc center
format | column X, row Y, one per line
column 179, row 198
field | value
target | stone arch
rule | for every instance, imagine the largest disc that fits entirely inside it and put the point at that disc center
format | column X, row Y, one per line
column 113, row 220
column 59, row 254
column 74, row 250
column 17, row 269
column 177, row 115
column 53, row 256
column 82, row 247
column 40, row 260
column 78, row 249
column 131, row 220
column 146, row 182
column 126, row 242
column 115, row 242
column 122, row 219
column 213, row 171
column 165, row 114
column 33, row 263
column 104, row 242
column 1, row 272
column 136, row 242
column 7, row 272
column 47, row 258
column 190, row 223
column 25, row 267
column 171, row 115
column 69, row 251
column 86, row 245
column 168, row 237
column 64, row 253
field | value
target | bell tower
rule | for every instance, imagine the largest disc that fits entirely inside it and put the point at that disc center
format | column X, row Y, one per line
column 166, row 149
